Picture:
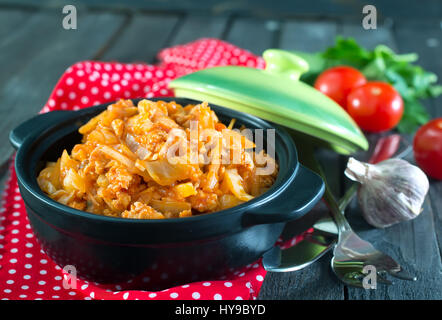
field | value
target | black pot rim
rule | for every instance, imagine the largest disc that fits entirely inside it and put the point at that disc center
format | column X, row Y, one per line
column 279, row 186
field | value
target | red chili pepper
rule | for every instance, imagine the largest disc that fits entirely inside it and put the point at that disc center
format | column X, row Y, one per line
column 385, row 148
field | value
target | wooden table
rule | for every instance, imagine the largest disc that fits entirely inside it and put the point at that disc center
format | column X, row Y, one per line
column 35, row 50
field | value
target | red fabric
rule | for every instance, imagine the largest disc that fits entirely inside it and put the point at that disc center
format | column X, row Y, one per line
column 25, row 270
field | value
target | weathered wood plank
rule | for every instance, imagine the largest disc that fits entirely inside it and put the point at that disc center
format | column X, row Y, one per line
column 10, row 21
column 367, row 38
column 20, row 46
column 436, row 106
column 142, row 38
column 27, row 89
column 317, row 280
column 336, row 8
column 424, row 38
column 308, row 36
column 196, row 26
column 255, row 35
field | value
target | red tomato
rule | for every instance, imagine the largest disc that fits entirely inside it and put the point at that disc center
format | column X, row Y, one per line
column 337, row 82
column 375, row 106
column 427, row 147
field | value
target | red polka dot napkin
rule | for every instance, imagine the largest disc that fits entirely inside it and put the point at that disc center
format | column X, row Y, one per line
column 25, row 270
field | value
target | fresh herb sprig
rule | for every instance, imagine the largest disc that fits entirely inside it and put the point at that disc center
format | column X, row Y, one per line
column 382, row 64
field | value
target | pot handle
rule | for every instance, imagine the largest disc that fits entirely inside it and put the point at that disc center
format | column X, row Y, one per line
column 37, row 124
column 304, row 191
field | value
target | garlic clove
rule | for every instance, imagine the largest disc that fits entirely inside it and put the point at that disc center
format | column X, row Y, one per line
column 391, row 191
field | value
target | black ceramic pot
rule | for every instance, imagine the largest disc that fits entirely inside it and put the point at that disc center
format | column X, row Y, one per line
column 160, row 252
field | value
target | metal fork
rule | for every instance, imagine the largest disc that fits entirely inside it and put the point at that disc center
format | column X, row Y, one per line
column 352, row 254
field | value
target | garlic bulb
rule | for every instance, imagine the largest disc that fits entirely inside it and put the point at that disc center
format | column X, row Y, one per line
column 392, row 190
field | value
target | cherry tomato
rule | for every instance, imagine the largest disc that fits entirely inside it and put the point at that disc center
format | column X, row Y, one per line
column 375, row 106
column 337, row 82
column 427, row 147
